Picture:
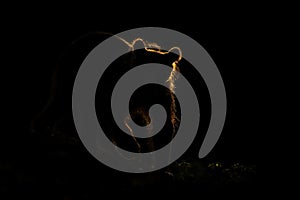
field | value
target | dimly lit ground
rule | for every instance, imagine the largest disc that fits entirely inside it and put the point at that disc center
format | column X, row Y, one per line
column 53, row 169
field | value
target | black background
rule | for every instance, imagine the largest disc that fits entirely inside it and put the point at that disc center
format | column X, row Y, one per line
column 34, row 46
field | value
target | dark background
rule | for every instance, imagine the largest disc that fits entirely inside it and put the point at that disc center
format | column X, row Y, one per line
column 33, row 165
